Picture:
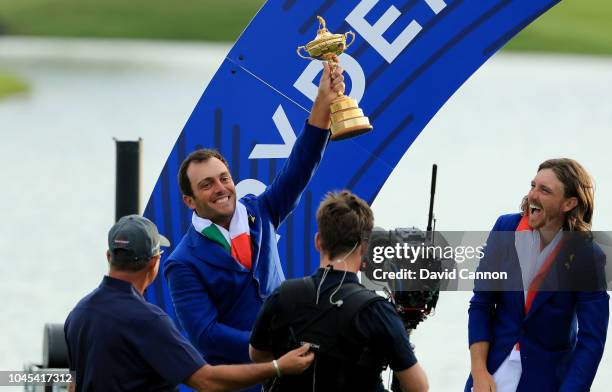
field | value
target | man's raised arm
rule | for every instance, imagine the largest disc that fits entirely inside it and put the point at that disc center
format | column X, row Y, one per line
column 283, row 194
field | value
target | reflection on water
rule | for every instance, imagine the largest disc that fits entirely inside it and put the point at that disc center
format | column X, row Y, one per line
column 57, row 160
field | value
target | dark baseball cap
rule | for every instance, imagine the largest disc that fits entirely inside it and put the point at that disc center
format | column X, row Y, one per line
column 137, row 237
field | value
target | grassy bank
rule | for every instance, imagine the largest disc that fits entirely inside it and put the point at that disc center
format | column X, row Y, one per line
column 572, row 26
column 211, row 20
column 576, row 26
column 10, row 84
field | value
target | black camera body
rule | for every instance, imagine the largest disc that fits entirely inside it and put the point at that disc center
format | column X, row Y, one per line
column 414, row 298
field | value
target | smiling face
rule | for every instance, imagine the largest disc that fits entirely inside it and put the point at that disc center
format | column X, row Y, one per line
column 214, row 194
column 547, row 202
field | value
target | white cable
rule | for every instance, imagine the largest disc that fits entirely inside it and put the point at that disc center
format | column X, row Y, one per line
column 327, row 269
column 339, row 302
column 342, row 260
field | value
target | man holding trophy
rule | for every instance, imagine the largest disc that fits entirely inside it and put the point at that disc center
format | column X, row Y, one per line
column 228, row 262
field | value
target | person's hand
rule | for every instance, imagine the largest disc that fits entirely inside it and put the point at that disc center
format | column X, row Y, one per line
column 483, row 381
column 296, row 361
column 330, row 86
column 331, row 83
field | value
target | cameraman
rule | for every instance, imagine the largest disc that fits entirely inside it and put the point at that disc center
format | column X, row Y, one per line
column 354, row 332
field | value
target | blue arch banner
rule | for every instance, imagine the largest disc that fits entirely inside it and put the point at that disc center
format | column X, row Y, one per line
column 408, row 58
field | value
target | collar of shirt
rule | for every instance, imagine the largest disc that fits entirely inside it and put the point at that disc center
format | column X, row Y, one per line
column 333, row 278
column 531, row 256
column 118, row 284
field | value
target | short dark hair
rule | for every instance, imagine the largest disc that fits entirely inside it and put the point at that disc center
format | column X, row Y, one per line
column 343, row 220
column 200, row 155
column 124, row 260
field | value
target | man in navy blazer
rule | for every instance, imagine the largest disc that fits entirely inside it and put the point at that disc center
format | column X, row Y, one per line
column 546, row 330
column 228, row 262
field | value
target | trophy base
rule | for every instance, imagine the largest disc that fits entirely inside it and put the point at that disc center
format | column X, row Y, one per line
column 350, row 132
column 347, row 119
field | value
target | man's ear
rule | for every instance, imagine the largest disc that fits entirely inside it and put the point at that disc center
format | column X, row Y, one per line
column 108, row 256
column 153, row 265
column 189, row 202
column 317, row 241
column 569, row 204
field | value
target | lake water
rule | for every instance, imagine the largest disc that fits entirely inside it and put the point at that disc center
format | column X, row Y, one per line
column 57, row 160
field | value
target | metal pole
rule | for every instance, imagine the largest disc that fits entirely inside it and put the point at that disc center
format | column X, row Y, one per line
column 127, row 191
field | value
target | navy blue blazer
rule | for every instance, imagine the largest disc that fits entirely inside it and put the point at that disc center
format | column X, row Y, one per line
column 215, row 298
column 561, row 338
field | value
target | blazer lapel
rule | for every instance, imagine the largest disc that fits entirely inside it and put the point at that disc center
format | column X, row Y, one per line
column 550, row 285
column 517, row 297
column 255, row 228
column 540, row 298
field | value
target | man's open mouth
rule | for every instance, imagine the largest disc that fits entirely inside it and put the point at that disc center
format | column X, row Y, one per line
column 221, row 200
column 533, row 209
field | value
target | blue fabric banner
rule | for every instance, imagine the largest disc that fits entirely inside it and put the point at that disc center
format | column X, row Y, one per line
column 408, row 58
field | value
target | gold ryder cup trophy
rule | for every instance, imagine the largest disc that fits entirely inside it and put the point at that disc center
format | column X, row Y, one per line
column 347, row 119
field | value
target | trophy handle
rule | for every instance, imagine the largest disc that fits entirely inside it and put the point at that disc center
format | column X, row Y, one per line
column 346, row 38
column 302, row 56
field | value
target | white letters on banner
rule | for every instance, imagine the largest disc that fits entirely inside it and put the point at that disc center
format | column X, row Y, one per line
column 249, row 186
column 265, row 151
column 373, row 34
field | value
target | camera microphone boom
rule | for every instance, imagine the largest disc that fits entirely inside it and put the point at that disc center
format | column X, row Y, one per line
column 413, row 298
column 414, row 304
column 430, row 218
